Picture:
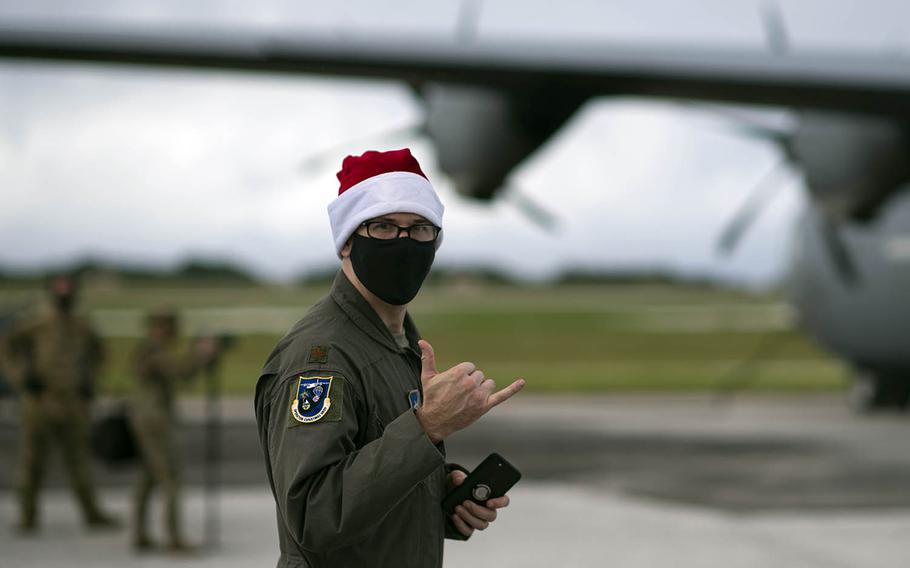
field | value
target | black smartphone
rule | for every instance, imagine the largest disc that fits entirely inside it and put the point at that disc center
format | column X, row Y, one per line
column 492, row 478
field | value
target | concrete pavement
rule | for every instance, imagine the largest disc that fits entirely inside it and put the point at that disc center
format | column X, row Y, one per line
column 548, row 524
column 608, row 481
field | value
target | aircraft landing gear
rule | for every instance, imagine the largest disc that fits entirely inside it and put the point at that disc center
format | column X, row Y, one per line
column 875, row 391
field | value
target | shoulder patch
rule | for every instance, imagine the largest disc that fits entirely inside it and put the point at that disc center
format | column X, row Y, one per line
column 318, row 354
column 315, row 398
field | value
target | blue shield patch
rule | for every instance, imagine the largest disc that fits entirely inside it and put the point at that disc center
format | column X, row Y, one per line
column 414, row 398
column 312, row 400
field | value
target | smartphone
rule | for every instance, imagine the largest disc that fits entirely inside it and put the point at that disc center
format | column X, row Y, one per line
column 492, row 478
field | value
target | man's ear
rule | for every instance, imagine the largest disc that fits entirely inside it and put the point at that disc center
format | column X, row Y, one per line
column 346, row 249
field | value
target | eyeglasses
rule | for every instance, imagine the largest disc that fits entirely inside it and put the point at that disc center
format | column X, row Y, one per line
column 386, row 231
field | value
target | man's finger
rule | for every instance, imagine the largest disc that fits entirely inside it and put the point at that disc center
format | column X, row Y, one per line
column 498, row 503
column 467, row 367
column 462, row 527
column 505, row 394
column 457, row 477
column 487, row 386
column 427, row 360
column 487, row 514
column 471, row 520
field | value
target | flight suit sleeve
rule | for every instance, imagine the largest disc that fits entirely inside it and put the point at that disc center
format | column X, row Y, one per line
column 330, row 492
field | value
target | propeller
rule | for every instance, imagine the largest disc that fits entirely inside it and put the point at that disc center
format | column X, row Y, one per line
column 328, row 157
column 529, row 207
column 756, row 202
column 838, row 251
column 768, row 187
column 533, row 211
column 465, row 32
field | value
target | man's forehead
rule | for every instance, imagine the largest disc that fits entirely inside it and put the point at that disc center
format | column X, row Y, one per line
column 400, row 218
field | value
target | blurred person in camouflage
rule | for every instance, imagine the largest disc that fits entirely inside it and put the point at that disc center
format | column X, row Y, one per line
column 53, row 360
column 161, row 366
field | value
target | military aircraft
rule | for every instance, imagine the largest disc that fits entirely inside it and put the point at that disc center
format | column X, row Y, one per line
column 490, row 104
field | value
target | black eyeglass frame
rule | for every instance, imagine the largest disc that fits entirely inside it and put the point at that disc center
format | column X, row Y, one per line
column 407, row 230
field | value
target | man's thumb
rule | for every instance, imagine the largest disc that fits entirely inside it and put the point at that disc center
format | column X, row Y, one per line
column 427, row 360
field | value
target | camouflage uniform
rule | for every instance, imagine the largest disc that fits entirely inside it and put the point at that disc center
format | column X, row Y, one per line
column 53, row 361
column 160, row 367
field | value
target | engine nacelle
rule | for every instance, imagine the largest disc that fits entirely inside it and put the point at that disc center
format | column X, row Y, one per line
column 852, row 163
column 481, row 134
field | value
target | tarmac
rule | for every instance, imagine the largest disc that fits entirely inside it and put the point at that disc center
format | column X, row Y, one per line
column 627, row 481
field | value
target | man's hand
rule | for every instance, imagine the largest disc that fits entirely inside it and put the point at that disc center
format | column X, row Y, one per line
column 469, row 516
column 455, row 399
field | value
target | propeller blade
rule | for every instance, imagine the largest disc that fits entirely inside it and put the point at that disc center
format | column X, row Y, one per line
column 327, row 157
column 765, row 132
column 468, row 21
column 755, row 203
column 775, row 27
column 532, row 210
column 748, row 124
column 838, row 252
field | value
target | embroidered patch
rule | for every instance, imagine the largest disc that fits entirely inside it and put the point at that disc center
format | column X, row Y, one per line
column 414, row 398
column 318, row 354
column 312, row 401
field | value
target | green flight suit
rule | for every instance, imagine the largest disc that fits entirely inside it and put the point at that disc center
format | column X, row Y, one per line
column 160, row 368
column 53, row 361
column 362, row 484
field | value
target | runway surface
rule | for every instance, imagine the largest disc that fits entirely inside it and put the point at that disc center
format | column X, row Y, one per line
column 608, row 480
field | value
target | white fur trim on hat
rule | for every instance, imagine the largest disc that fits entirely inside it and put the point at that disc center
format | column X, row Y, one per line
column 391, row 192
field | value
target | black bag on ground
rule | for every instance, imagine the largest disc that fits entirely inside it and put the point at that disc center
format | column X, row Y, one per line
column 113, row 440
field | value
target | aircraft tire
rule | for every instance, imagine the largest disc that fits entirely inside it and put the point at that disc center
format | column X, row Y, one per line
column 873, row 391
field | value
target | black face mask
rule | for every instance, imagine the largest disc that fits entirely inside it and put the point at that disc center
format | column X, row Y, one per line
column 64, row 303
column 393, row 269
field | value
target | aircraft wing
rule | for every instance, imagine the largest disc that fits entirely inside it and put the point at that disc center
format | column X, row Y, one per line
column 827, row 81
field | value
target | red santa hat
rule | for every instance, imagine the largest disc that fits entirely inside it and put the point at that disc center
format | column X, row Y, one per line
column 378, row 183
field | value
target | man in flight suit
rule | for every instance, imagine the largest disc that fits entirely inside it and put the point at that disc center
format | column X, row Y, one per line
column 160, row 368
column 54, row 361
column 351, row 410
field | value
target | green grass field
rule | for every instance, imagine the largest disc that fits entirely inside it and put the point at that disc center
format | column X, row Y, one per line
column 570, row 338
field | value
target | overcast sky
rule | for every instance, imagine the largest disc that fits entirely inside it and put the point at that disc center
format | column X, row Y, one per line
column 152, row 166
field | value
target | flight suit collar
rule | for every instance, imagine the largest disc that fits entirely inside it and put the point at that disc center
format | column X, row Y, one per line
column 365, row 317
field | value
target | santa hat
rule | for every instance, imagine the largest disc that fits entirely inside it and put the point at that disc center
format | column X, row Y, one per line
column 378, row 183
